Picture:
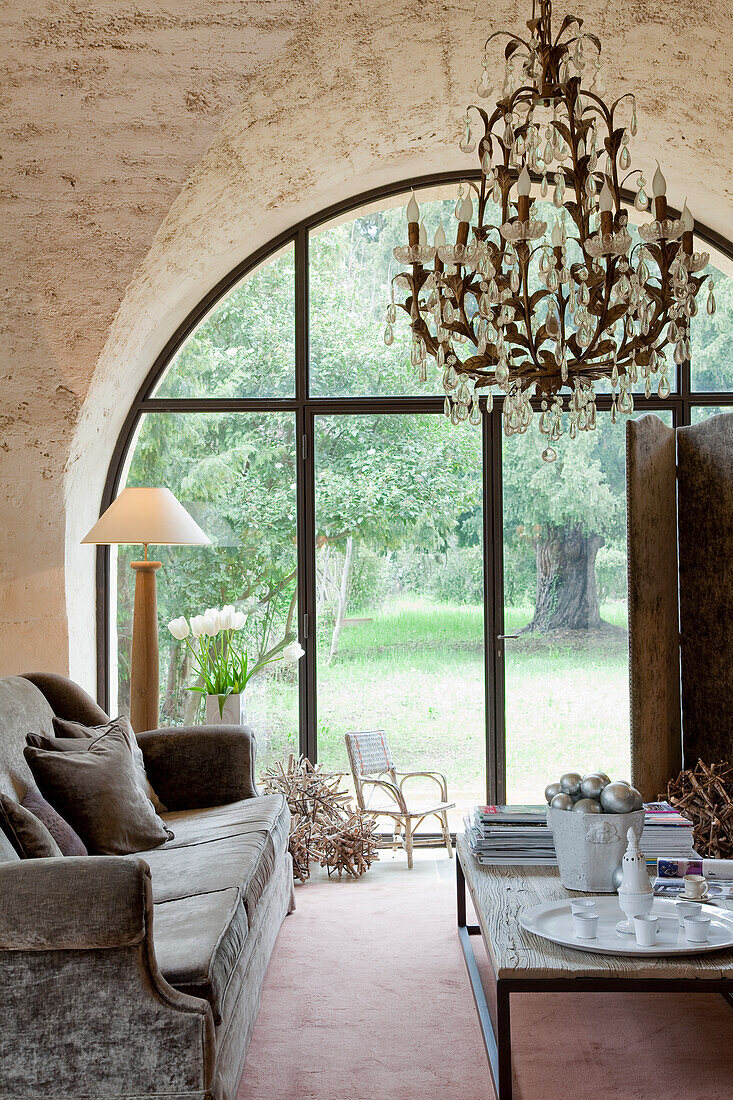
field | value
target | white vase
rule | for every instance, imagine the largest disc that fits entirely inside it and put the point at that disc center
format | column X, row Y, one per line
column 232, row 713
column 589, row 847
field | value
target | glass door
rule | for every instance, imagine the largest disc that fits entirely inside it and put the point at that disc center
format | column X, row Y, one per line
column 399, row 591
column 565, row 637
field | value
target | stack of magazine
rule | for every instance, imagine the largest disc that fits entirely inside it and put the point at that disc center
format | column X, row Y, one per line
column 666, row 833
column 520, row 835
column 511, row 834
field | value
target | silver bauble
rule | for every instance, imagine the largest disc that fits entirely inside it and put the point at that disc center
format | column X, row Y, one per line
column 551, row 790
column 617, row 798
column 562, row 802
column 577, row 796
column 570, row 782
column 591, row 786
column 587, row 806
column 618, row 876
column 638, row 800
column 606, row 778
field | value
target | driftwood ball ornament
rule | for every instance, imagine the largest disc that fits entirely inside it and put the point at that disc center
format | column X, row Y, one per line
column 587, row 806
column 618, row 798
column 592, row 785
column 704, row 794
column 562, row 802
column 570, row 783
column 551, row 790
column 325, row 828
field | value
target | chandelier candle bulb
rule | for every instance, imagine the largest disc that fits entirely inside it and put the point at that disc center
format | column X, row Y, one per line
column 605, row 203
column 413, row 222
column 659, row 191
column 524, row 186
column 465, row 213
column 688, row 224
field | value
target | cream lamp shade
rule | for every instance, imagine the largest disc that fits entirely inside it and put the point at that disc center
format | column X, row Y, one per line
column 145, row 516
column 148, row 517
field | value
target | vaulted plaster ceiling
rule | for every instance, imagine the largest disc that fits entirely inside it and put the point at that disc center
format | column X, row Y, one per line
column 148, row 148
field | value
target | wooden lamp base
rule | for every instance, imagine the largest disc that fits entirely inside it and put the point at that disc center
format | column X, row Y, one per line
column 144, row 672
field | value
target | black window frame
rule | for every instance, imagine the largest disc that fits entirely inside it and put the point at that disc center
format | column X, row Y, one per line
column 306, row 408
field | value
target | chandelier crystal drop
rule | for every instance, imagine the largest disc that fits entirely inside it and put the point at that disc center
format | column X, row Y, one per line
column 529, row 305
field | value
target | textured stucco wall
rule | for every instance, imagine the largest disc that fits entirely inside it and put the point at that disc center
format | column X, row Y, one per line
column 152, row 148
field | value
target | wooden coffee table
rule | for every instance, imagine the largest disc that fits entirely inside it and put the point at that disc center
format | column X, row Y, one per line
column 524, row 963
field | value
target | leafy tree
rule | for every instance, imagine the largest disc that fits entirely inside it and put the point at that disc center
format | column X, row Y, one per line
column 235, row 473
column 712, row 339
column 564, row 511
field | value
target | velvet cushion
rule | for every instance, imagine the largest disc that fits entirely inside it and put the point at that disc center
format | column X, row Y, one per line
column 29, row 837
column 66, row 729
column 198, row 941
column 97, row 791
column 67, row 840
column 60, row 744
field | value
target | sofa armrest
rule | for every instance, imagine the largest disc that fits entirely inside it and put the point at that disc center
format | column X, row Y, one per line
column 191, row 767
column 76, row 903
column 77, row 960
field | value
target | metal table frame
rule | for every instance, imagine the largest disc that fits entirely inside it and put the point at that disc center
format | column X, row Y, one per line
column 498, row 1041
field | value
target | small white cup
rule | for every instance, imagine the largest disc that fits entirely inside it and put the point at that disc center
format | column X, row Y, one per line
column 687, row 909
column 697, row 929
column 582, row 905
column 646, row 929
column 585, row 925
column 695, row 887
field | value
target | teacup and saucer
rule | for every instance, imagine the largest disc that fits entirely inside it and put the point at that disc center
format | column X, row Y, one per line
column 695, row 888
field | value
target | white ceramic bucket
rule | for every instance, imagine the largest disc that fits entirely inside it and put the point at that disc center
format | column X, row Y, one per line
column 589, row 847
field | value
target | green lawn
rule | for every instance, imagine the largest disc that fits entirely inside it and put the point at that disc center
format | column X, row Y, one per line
column 416, row 670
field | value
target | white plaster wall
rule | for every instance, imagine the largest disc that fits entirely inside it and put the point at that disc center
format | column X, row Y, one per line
column 352, row 94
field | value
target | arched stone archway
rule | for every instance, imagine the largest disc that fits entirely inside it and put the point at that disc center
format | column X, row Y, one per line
column 357, row 94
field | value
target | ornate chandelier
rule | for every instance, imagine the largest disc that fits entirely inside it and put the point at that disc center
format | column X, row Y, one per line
column 531, row 312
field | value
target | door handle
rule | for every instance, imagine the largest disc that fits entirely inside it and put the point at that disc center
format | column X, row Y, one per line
column 502, row 637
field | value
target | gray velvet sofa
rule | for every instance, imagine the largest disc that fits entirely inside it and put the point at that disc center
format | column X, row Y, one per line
column 140, row 976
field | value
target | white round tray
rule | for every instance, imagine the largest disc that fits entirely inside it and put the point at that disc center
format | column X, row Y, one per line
column 553, row 921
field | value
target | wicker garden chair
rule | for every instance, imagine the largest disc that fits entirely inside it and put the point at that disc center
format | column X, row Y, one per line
column 373, row 767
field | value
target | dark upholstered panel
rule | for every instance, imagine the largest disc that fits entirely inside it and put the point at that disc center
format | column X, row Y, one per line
column 23, row 710
column 654, row 670
column 67, row 699
column 194, row 766
column 705, row 476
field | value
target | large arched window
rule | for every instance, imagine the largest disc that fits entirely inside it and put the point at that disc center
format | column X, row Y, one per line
column 417, row 562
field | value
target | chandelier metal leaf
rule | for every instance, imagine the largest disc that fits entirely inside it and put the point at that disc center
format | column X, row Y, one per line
column 528, row 309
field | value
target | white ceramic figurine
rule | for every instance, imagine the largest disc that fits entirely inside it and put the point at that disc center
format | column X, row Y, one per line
column 635, row 894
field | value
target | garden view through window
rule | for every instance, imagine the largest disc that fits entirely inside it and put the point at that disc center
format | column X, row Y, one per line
column 401, row 512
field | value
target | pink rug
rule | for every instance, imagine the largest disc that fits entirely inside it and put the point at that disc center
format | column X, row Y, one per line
column 367, row 998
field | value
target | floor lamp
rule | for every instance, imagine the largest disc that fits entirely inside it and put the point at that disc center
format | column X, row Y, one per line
column 152, row 517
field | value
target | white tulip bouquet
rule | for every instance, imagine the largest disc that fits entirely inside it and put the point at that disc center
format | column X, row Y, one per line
column 221, row 661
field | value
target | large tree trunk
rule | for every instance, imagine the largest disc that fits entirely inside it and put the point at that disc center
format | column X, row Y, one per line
column 567, row 595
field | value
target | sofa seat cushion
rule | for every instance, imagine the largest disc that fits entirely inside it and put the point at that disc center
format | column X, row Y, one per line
column 227, row 846
column 248, row 815
column 198, row 940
